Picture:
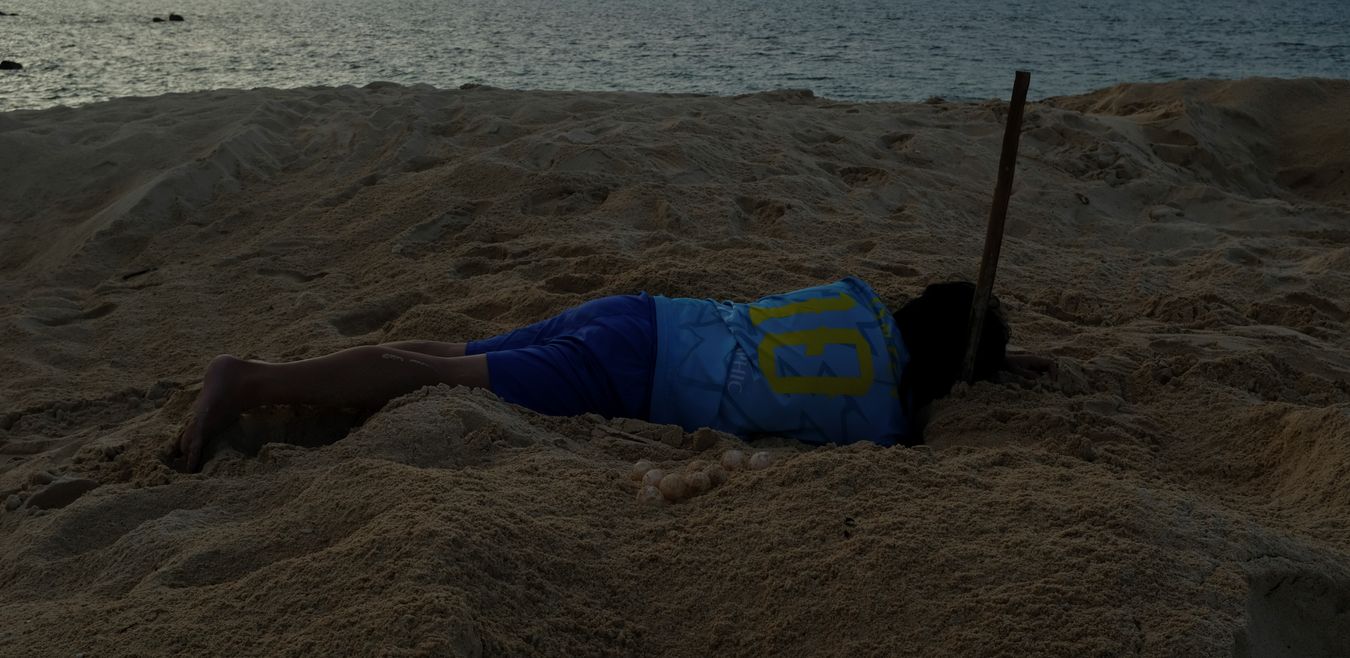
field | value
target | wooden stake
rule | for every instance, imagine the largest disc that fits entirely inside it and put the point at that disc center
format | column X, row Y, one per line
column 993, row 237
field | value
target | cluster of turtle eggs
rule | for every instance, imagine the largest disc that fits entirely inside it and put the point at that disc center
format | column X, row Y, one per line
column 698, row 476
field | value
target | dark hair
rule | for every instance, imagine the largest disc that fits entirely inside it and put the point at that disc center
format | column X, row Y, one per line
column 935, row 329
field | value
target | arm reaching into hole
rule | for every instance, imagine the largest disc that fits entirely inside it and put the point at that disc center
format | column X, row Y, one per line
column 1029, row 366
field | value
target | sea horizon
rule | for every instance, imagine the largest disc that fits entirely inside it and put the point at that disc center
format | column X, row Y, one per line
column 75, row 52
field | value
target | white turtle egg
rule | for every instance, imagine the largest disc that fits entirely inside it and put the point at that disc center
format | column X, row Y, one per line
column 640, row 469
column 760, row 461
column 652, row 477
column 649, row 495
column 733, row 460
column 698, row 482
column 673, row 487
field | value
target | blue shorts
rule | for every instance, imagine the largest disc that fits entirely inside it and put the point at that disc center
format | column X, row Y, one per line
column 595, row 358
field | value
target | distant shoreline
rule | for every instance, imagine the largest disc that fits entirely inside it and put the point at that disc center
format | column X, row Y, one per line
column 784, row 92
column 75, row 51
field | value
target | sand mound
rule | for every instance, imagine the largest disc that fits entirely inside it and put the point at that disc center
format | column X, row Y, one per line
column 1177, row 489
column 1257, row 136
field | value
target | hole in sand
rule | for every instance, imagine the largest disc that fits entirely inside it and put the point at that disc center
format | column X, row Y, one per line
column 1295, row 613
column 91, row 314
column 576, row 284
column 306, row 427
column 374, row 315
column 364, row 321
column 856, row 176
column 563, row 200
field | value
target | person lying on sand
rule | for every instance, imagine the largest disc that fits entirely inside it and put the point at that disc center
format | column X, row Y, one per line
column 828, row 364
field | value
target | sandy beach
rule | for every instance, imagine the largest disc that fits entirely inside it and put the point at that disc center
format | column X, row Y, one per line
column 1180, row 488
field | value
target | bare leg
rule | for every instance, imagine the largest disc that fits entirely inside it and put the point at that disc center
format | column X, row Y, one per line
column 364, row 377
column 432, row 347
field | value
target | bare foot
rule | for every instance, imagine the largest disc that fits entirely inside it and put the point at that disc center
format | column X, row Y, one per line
column 216, row 407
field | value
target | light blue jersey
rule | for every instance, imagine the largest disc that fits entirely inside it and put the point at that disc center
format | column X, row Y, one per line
column 820, row 365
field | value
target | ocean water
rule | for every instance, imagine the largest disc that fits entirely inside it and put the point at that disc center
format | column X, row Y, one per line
column 81, row 51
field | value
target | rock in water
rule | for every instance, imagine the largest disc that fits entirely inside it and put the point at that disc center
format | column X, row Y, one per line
column 10, row 66
column 60, row 493
column 156, row 20
column 175, row 18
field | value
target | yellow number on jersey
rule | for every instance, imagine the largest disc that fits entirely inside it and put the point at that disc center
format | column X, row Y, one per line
column 843, row 302
column 815, row 341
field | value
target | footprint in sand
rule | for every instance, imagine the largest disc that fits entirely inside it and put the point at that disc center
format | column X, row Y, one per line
column 813, row 138
column 862, row 176
column 374, row 315
column 61, row 492
column 573, row 284
column 291, row 276
column 897, row 269
column 448, row 223
column 60, row 319
column 489, row 251
column 471, row 267
column 896, row 141
column 489, row 310
column 762, row 210
column 564, row 200
column 59, row 418
column 573, row 250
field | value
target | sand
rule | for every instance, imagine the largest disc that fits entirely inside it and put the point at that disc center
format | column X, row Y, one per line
column 1180, row 488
